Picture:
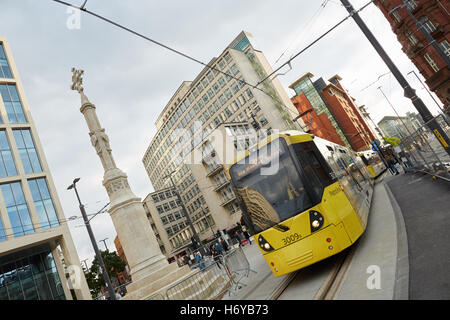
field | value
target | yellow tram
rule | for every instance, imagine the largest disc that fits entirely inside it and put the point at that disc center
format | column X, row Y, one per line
column 304, row 198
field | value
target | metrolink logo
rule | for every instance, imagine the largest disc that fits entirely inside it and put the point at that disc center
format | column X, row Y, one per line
column 222, row 147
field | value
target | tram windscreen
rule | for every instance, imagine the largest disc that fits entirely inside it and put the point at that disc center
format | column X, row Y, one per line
column 269, row 184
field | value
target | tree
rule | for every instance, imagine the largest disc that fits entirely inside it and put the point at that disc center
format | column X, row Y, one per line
column 394, row 141
column 94, row 277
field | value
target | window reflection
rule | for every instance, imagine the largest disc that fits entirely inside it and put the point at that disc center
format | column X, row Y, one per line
column 12, row 103
column 27, row 151
column 32, row 278
column 5, row 71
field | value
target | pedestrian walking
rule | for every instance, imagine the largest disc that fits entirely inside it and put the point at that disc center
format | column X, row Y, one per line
column 218, row 247
column 199, row 259
column 236, row 236
column 216, row 255
column 224, row 245
column 246, row 235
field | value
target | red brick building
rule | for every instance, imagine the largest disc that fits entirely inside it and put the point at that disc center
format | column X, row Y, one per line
column 318, row 125
column 123, row 277
column 329, row 112
column 436, row 21
column 348, row 115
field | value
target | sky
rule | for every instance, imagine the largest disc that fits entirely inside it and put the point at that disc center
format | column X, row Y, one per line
column 130, row 80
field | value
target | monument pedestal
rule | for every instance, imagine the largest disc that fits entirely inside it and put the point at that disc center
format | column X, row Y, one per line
column 156, row 281
column 150, row 270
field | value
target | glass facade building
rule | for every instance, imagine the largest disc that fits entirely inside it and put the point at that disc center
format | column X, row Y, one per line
column 5, row 71
column 307, row 87
column 35, row 246
column 30, row 275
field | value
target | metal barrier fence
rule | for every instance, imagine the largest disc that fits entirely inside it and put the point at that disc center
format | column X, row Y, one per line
column 221, row 275
column 422, row 151
column 121, row 288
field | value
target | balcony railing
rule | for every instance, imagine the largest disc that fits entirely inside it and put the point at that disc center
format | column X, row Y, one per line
column 213, row 168
column 226, row 200
column 221, row 184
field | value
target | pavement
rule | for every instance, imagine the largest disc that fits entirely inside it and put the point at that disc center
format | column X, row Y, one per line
column 425, row 207
column 403, row 254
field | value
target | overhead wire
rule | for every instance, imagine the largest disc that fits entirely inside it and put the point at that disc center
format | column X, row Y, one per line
column 201, row 62
column 311, row 44
column 306, row 27
column 48, row 224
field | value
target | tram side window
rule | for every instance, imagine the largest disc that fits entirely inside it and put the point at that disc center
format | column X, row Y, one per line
column 311, row 157
column 312, row 168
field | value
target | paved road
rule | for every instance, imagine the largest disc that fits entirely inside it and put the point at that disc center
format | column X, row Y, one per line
column 425, row 206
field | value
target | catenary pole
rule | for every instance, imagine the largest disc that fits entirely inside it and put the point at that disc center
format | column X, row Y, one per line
column 111, row 292
column 408, row 91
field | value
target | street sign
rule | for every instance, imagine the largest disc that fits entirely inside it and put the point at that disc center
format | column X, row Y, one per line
column 374, row 146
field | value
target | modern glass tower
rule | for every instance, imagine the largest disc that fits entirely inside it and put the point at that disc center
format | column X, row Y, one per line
column 37, row 254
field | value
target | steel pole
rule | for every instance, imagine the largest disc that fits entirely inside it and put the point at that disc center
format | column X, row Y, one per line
column 97, row 251
column 408, row 91
column 186, row 213
column 423, row 85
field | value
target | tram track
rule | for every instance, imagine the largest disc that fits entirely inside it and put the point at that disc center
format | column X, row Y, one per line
column 330, row 285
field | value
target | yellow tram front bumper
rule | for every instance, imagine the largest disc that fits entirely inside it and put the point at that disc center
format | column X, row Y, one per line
column 311, row 249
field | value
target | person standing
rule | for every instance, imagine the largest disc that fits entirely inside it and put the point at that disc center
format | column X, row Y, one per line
column 218, row 247
column 199, row 259
column 216, row 254
column 246, row 235
column 224, row 245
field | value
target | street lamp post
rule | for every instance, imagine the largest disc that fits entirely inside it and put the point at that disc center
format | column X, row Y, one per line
column 400, row 118
column 194, row 233
column 207, row 222
column 104, row 242
column 94, row 243
column 427, row 91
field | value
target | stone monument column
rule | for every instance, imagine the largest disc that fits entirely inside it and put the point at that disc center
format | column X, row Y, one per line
column 149, row 267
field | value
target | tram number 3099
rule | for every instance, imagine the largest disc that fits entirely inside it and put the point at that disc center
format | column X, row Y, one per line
column 290, row 239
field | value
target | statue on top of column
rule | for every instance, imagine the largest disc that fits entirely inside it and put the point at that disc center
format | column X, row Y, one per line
column 99, row 139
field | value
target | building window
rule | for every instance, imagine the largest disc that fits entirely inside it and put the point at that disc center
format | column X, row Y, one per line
column 428, row 25
column 5, row 71
column 2, row 238
column 445, row 47
column 412, row 39
column 7, row 166
column 396, row 16
column 17, row 209
column 411, row 4
column 431, row 62
column 12, row 103
column 30, row 278
column 27, row 151
column 43, row 203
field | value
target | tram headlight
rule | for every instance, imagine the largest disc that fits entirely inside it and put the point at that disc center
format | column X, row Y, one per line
column 315, row 224
column 316, row 220
column 264, row 244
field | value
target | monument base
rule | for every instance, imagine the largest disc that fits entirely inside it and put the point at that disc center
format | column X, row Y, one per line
column 154, row 282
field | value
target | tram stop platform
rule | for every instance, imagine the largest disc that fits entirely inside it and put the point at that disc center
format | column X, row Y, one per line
column 403, row 253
